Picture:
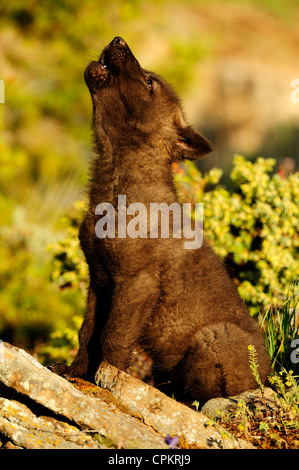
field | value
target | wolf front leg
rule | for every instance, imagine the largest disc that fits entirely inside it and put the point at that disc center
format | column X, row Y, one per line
column 89, row 354
column 133, row 301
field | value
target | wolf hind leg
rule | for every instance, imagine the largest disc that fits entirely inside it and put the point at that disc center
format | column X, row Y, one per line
column 217, row 363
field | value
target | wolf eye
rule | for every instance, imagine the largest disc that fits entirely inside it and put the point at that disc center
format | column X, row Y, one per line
column 149, row 83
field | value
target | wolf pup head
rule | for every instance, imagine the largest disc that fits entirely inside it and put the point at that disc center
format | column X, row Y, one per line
column 132, row 105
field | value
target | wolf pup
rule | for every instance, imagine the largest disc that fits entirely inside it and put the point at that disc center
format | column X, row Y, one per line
column 178, row 304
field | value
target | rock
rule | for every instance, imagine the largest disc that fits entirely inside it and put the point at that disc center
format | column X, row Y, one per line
column 22, row 426
column 164, row 414
column 39, row 409
column 253, row 400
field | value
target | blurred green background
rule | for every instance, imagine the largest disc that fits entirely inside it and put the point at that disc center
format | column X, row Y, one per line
column 232, row 63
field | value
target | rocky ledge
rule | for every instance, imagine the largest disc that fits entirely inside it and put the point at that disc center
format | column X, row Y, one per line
column 40, row 410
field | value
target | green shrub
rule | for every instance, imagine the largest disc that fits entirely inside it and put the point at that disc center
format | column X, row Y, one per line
column 69, row 272
column 69, row 268
column 252, row 225
column 31, row 307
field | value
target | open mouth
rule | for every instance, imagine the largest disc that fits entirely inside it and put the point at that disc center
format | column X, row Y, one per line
column 98, row 72
column 110, row 62
column 104, row 61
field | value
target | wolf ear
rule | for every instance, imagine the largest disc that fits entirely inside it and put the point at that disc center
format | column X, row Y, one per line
column 191, row 145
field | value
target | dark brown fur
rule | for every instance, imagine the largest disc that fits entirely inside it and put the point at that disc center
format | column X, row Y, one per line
column 178, row 304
